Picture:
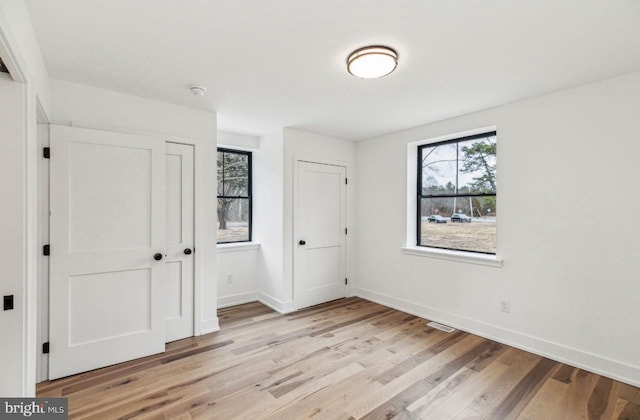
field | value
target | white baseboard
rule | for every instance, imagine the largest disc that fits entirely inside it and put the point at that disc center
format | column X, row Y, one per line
column 208, row 326
column 575, row 357
column 283, row 307
column 237, row 299
column 276, row 304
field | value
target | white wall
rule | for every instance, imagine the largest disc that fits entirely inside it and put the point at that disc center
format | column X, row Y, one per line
column 237, row 141
column 567, row 230
column 273, row 206
column 237, row 275
column 20, row 52
column 273, row 172
column 238, row 263
column 89, row 107
column 268, row 222
column 85, row 106
column 300, row 145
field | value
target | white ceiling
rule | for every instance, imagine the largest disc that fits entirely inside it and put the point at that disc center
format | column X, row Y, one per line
column 281, row 63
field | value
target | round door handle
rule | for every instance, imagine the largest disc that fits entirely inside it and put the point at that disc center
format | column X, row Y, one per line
column 157, row 257
column 302, row 242
column 187, row 251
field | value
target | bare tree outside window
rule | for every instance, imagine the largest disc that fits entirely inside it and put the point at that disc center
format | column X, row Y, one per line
column 234, row 196
column 457, row 194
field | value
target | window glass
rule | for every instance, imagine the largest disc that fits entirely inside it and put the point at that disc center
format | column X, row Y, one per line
column 457, row 194
column 439, row 169
column 477, row 166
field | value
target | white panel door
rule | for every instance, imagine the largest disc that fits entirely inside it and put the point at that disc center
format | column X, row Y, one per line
column 107, row 248
column 179, row 262
column 319, row 234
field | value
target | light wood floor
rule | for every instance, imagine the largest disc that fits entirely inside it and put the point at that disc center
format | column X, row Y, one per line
column 347, row 359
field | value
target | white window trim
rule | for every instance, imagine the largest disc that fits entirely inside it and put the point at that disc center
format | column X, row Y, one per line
column 237, row 246
column 412, row 204
column 452, row 255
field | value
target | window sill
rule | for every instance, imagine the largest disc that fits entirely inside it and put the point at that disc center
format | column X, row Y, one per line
column 460, row 256
column 238, row 247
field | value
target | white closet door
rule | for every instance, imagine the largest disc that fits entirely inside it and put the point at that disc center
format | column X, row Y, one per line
column 180, row 256
column 320, row 234
column 107, row 297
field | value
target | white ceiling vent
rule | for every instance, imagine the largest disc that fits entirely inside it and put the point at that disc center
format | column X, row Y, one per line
column 441, row 327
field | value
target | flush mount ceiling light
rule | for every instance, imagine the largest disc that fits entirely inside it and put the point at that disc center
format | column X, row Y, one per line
column 372, row 62
column 198, row 90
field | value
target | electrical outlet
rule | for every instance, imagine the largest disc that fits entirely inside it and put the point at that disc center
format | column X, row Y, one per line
column 505, row 305
column 229, row 278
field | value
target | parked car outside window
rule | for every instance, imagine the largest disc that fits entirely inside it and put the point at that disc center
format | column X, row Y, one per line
column 460, row 217
column 436, row 218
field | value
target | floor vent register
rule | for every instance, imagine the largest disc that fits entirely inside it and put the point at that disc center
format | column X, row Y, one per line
column 441, row 327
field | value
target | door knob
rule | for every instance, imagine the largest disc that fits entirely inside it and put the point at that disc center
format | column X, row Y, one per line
column 157, row 257
column 187, row 251
column 302, row 242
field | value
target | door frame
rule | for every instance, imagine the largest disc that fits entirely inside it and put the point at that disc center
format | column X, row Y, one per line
column 42, row 361
column 35, row 112
column 294, row 228
column 201, row 325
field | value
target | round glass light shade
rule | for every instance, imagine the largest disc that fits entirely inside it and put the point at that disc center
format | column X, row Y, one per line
column 372, row 62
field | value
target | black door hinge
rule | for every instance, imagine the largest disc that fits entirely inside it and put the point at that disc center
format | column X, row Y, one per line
column 346, row 181
column 345, row 231
column 46, row 250
column 346, row 281
column 45, row 348
column 46, row 153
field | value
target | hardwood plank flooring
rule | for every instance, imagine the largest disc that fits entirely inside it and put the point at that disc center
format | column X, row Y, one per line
column 346, row 359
